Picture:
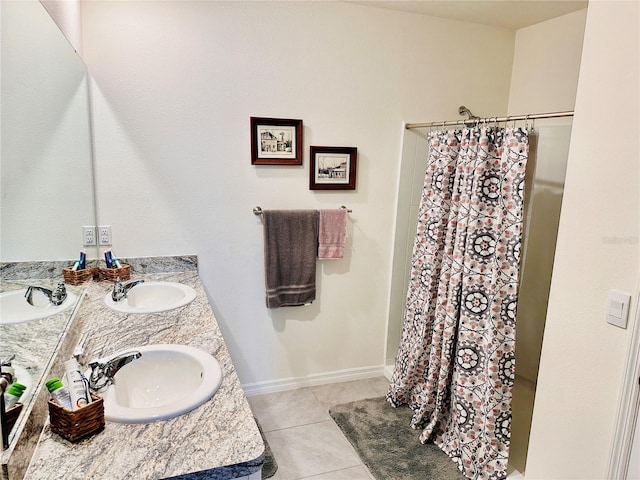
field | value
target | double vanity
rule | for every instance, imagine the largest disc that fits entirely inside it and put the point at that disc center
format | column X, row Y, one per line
column 196, row 424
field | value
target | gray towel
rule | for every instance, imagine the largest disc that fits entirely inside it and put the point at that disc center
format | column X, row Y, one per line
column 290, row 250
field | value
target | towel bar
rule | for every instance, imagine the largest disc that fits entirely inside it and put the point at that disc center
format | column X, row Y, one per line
column 258, row 210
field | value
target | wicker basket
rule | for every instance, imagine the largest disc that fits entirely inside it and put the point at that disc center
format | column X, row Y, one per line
column 111, row 274
column 75, row 425
column 76, row 277
column 12, row 415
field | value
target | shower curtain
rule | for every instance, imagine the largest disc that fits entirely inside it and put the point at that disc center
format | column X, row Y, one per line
column 455, row 367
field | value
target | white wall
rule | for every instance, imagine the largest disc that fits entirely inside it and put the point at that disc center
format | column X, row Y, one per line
column 175, row 85
column 546, row 64
column 413, row 168
column 583, row 357
column 67, row 16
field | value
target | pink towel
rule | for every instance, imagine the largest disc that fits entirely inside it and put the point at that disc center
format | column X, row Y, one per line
column 332, row 233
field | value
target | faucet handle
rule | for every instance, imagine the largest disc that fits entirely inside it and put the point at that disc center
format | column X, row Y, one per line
column 118, row 291
column 59, row 295
column 103, row 371
column 98, row 379
column 7, row 361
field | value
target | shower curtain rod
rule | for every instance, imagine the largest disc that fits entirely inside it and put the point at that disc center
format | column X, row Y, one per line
column 473, row 119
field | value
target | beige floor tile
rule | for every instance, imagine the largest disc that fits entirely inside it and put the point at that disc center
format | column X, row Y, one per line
column 380, row 385
column 344, row 392
column 311, row 450
column 280, row 410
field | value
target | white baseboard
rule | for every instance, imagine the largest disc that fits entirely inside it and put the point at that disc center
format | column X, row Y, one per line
column 388, row 371
column 260, row 388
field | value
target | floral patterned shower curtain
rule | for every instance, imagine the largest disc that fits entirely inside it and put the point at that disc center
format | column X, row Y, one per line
column 456, row 362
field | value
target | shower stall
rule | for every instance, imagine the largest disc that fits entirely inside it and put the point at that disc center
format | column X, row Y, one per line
column 548, row 153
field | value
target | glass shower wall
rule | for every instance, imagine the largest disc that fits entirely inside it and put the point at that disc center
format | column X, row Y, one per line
column 548, row 163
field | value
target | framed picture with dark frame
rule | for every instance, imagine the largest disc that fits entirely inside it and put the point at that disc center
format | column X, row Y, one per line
column 333, row 168
column 276, row 141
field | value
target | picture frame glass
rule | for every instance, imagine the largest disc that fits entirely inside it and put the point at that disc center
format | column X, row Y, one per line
column 276, row 141
column 332, row 168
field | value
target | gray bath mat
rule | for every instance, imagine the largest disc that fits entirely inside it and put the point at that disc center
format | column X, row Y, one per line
column 388, row 446
column 270, row 465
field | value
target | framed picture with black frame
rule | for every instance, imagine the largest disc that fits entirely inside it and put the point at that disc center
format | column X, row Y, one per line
column 333, row 168
column 276, row 141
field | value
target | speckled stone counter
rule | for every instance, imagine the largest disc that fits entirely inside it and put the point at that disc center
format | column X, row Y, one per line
column 33, row 344
column 218, row 440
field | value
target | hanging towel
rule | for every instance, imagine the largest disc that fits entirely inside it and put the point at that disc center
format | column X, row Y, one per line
column 290, row 249
column 333, row 233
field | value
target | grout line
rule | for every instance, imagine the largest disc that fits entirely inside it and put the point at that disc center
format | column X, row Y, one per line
column 338, row 470
column 297, row 426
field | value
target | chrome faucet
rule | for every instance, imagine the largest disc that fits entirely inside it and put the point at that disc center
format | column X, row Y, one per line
column 4, row 426
column 120, row 290
column 7, row 363
column 102, row 372
column 56, row 297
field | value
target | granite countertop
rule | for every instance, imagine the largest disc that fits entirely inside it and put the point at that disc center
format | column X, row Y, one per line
column 32, row 343
column 218, row 440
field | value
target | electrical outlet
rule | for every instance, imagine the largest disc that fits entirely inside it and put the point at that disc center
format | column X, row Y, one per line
column 89, row 236
column 104, row 235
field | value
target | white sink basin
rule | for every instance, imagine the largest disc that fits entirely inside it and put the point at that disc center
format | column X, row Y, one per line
column 153, row 297
column 14, row 308
column 165, row 382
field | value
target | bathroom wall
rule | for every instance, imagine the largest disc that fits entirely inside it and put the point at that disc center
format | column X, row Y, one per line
column 413, row 168
column 175, row 85
column 68, row 17
column 583, row 357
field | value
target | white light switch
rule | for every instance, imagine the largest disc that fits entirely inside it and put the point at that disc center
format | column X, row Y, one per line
column 618, row 308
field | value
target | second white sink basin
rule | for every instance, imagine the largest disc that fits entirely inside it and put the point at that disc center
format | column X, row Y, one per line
column 153, row 297
column 165, row 382
column 14, row 308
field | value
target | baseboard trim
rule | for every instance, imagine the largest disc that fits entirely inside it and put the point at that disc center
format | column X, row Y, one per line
column 292, row 383
column 388, row 371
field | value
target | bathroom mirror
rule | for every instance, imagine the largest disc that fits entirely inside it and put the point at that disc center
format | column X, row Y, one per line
column 45, row 164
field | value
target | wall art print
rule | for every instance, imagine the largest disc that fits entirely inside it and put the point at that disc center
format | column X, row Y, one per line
column 276, row 141
column 333, row 168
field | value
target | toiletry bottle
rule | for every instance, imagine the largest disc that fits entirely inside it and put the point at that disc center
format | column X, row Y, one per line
column 116, row 262
column 108, row 259
column 59, row 392
column 13, row 394
column 77, row 385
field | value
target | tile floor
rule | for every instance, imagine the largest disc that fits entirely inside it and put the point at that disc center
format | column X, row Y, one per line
column 305, row 441
column 307, row 444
